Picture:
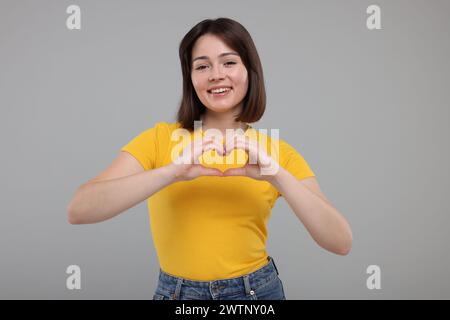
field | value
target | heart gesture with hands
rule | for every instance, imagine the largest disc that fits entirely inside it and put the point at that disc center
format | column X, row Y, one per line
column 187, row 166
column 259, row 165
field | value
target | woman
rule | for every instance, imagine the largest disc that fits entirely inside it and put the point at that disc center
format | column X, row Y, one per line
column 209, row 219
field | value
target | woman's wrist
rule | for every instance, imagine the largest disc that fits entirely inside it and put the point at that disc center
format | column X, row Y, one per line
column 171, row 171
column 276, row 178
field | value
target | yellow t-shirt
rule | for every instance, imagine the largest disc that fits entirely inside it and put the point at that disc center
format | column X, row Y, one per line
column 210, row 228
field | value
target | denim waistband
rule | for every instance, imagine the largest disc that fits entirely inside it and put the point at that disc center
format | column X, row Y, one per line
column 252, row 280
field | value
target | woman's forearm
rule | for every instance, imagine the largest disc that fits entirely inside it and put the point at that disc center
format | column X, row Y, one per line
column 98, row 201
column 325, row 223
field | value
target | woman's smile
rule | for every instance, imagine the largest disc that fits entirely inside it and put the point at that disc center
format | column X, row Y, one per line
column 220, row 92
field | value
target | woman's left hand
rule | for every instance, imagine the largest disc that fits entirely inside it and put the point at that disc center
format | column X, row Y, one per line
column 259, row 164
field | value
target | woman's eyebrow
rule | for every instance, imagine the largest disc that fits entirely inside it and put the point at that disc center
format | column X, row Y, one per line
column 220, row 55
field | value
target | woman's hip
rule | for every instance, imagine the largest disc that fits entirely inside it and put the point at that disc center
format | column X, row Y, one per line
column 262, row 284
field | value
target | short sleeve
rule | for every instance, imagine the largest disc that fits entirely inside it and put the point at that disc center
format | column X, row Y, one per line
column 292, row 161
column 144, row 148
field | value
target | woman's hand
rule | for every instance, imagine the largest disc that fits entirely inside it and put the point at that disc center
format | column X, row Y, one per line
column 259, row 164
column 188, row 167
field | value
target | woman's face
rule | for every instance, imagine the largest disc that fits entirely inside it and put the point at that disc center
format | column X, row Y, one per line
column 214, row 64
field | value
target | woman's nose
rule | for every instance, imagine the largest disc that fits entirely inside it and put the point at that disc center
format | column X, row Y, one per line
column 216, row 73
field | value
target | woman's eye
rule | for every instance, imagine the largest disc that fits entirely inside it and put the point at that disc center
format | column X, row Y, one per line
column 203, row 66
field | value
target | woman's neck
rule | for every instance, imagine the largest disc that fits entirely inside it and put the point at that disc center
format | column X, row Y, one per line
column 221, row 121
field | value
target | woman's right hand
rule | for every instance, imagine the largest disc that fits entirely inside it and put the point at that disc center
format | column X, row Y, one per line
column 184, row 167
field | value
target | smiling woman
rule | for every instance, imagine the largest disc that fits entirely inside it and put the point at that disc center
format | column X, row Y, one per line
column 220, row 64
column 220, row 82
column 209, row 224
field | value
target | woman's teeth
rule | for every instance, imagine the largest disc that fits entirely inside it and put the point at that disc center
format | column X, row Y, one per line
column 220, row 90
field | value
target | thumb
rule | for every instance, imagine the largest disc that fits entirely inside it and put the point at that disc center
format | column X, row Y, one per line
column 210, row 172
column 236, row 171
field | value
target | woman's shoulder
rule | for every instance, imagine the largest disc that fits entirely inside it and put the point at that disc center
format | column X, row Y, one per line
column 272, row 139
column 163, row 131
column 165, row 127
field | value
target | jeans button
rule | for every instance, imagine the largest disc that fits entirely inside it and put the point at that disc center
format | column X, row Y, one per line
column 252, row 292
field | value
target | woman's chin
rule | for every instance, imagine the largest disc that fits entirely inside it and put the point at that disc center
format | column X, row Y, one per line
column 218, row 107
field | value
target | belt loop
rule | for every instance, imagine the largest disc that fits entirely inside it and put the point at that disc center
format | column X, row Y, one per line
column 176, row 295
column 247, row 284
column 274, row 265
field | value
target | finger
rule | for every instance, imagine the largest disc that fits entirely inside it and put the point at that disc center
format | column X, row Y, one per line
column 215, row 148
column 213, row 145
column 245, row 143
column 251, row 147
column 234, row 143
column 242, row 171
column 240, row 145
column 201, row 147
column 204, row 171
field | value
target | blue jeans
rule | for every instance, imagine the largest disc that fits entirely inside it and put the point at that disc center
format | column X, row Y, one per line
column 263, row 284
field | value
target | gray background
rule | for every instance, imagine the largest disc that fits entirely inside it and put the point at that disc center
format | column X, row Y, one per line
column 369, row 111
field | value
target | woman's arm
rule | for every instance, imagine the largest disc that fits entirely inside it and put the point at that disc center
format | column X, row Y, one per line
column 125, row 183
column 120, row 187
column 324, row 223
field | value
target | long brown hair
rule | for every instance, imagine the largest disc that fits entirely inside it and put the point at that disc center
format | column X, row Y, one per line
column 237, row 38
